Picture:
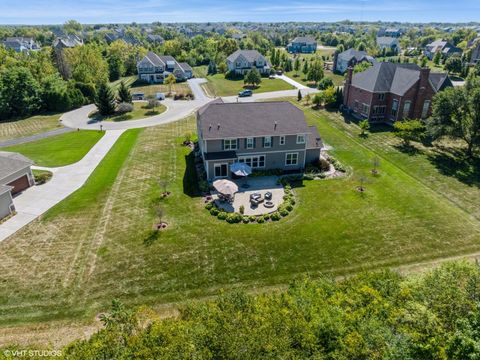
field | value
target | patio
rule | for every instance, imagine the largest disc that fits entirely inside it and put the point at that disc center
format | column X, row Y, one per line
column 260, row 185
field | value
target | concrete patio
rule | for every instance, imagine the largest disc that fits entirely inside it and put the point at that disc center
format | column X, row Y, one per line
column 260, row 185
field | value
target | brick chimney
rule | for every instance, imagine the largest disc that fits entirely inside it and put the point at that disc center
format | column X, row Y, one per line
column 424, row 75
column 423, row 91
column 346, row 86
column 335, row 58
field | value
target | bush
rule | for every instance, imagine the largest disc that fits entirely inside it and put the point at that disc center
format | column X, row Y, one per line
column 284, row 212
column 203, row 186
column 289, row 207
column 124, row 108
column 42, row 177
column 209, row 205
column 275, row 216
column 309, row 176
column 246, row 219
column 222, row 215
column 233, row 218
column 87, row 89
column 242, row 209
column 252, row 218
column 266, row 216
column 292, row 201
column 214, row 211
column 260, row 220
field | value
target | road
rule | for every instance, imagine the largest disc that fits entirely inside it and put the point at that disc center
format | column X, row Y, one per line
column 35, row 137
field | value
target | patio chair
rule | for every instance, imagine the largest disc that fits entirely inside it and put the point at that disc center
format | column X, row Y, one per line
column 268, row 195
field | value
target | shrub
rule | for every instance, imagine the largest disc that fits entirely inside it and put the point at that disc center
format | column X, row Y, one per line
column 323, row 164
column 43, row 177
column 289, row 207
column 222, row 215
column 252, row 218
column 209, row 205
column 246, row 219
column 275, row 216
column 266, row 216
column 242, row 209
column 233, row 218
column 214, row 211
column 203, row 186
column 309, row 176
column 292, row 201
column 124, row 108
column 283, row 212
column 260, row 220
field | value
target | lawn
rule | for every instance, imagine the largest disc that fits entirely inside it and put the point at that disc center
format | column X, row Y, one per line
column 59, row 150
column 219, row 86
column 152, row 89
column 98, row 244
column 29, row 126
column 140, row 111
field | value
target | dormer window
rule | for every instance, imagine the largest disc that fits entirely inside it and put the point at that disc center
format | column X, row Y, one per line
column 301, row 139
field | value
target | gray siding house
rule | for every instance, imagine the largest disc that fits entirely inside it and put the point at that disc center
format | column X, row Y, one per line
column 264, row 135
column 350, row 57
column 241, row 61
column 303, row 45
column 154, row 68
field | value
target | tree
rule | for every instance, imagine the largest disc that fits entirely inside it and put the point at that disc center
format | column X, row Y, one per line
column 72, row 27
column 456, row 113
column 299, row 95
column 315, row 72
column 124, row 95
column 305, row 68
column 296, row 65
column 153, row 102
column 318, row 99
column 453, row 64
column 329, row 97
column 409, row 130
column 212, row 68
column 361, row 66
column 170, row 80
column 364, row 126
column 115, row 68
column 325, row 83
column 423, row 61
column 437, row 58
column 105, row 100
column 222, row 67
column 253, row 78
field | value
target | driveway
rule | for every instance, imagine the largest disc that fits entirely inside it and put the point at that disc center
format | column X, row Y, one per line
column 270, row 95
column 36, row 200
column 176, row 110
column 292, row 82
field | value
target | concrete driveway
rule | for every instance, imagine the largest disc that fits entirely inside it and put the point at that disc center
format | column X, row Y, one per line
column 270, row 95
column 36, row 200
column 292, row 82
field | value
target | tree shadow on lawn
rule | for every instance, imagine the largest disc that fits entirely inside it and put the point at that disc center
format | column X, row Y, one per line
column 151, row 238
column 190, row 179
column 454, row 162
column 408, row 149
column 374, row 127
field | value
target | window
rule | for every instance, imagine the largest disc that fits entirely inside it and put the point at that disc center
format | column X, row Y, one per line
column 267, row 141
column 381, row 96
column 257, row 161
column 426, row 107
column 221, row 170
column 356, row 104
column 394, row 107
column 365, row 108
column 379, row 110
column 301, row 139
column 230, row 144
column 406, row 109
column 291, row 159
column 250, row 143
column 282, row 140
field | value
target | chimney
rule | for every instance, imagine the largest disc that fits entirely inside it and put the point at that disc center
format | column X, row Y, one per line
column 424, row 75
column 347, row 84
column 335, row 57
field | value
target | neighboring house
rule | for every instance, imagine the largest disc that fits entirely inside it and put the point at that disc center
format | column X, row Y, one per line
column 21, row 44
column 241, row 61
column 15, row 176
column 388, row 43
column 69, row 41
column 238, row 36
column 155, row 39
column 303, row 45
column 351, row 57
column 390, row 32
column 264, row 135
column 475, row 58
column 388, row 92
column 154, row 68
column 120, row 35
column 443, row 47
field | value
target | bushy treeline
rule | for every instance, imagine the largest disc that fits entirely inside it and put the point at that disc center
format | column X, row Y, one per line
column 379, row 315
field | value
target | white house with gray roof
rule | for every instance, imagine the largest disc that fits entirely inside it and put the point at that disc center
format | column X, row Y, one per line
column 350, row 57
column 264, row 135
column 241, row 61
column 154, row 68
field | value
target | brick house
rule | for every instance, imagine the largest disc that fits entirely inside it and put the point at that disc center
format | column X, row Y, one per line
column 388, row 92
column 264, row 135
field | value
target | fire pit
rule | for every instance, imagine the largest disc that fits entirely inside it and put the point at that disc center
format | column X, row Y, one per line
column 268, row 204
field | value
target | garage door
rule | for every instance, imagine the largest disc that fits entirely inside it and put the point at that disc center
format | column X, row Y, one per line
column 19, row 184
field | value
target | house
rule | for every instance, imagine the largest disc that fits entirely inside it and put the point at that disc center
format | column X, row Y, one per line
column 68, row 41
column 475, row 58
column 155, row 39
column 15, row 176
column 351, row 57
column 21, row 44
column 443, row 47
column 154, row 68
column 390, row 32
column 303, row 45
column 264, row 135
column 389, row 44
column 388, row 92
column 241, row 61
column 238, row 36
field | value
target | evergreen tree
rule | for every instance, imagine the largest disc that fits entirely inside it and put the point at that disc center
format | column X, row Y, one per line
column 296, row 65
column 212, row 68
column 124, row 95
column 253, row 77
column 299, row 95
column 305, row 68
column 105, row 100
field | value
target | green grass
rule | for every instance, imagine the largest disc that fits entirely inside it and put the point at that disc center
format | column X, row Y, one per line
column 14, row 129
column 140, row 111
column 218, row 85
column 128, row 81
column 149, row 90
column 98, row 244
column 59, row 150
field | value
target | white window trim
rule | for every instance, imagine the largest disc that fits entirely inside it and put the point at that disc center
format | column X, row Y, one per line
column 252, row 144
column 244, row 157
column 296, row 160
column 265, row 143
column 304, row 138
column 281, row 140
column 230, row 139
column 215, row 165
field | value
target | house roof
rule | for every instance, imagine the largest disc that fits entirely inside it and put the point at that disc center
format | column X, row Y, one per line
column 250, row 55
column 314, row 141
column 395, row 78
column 185, row 66
column 443, row 46
column 11, row 162
column 386, row 40
column 355, row 54
column 304, row 39
column 153, row 58
column 218, row 120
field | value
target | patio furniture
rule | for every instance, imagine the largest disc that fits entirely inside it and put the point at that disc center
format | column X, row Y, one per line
column 256, row 199
column 225, row 187
column 268, row 195
column 243, row 170
column 269, row 204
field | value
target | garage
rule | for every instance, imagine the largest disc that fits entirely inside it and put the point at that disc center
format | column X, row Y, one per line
column 19, row 184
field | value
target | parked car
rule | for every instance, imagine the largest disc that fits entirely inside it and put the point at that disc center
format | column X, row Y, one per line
column 272, row 77
column 245, row 93
column 160, row 96
column 138, row 96
column 279, row 72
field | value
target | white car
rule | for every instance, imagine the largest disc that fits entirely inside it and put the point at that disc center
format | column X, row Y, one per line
column 160, row 96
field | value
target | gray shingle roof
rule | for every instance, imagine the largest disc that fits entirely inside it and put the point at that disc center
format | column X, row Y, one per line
column 11, row 163
column 304, row 39
column 394, row 77
column 219, row 120
column 250, row 55
column 355, row 54
column 154, row 59
column 185, row 66
column 386, row 40
column 314, row 141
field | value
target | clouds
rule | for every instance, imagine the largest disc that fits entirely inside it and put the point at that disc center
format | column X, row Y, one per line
column 108, row 11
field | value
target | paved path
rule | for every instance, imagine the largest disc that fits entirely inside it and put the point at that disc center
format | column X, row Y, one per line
column 36, row 200
column 270, row 95
column 292, row 82
column 35, row 137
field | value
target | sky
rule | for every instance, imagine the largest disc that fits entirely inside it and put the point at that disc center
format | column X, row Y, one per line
column 146, row 11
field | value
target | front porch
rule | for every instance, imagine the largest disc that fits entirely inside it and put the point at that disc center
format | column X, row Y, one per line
column 256, row 185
